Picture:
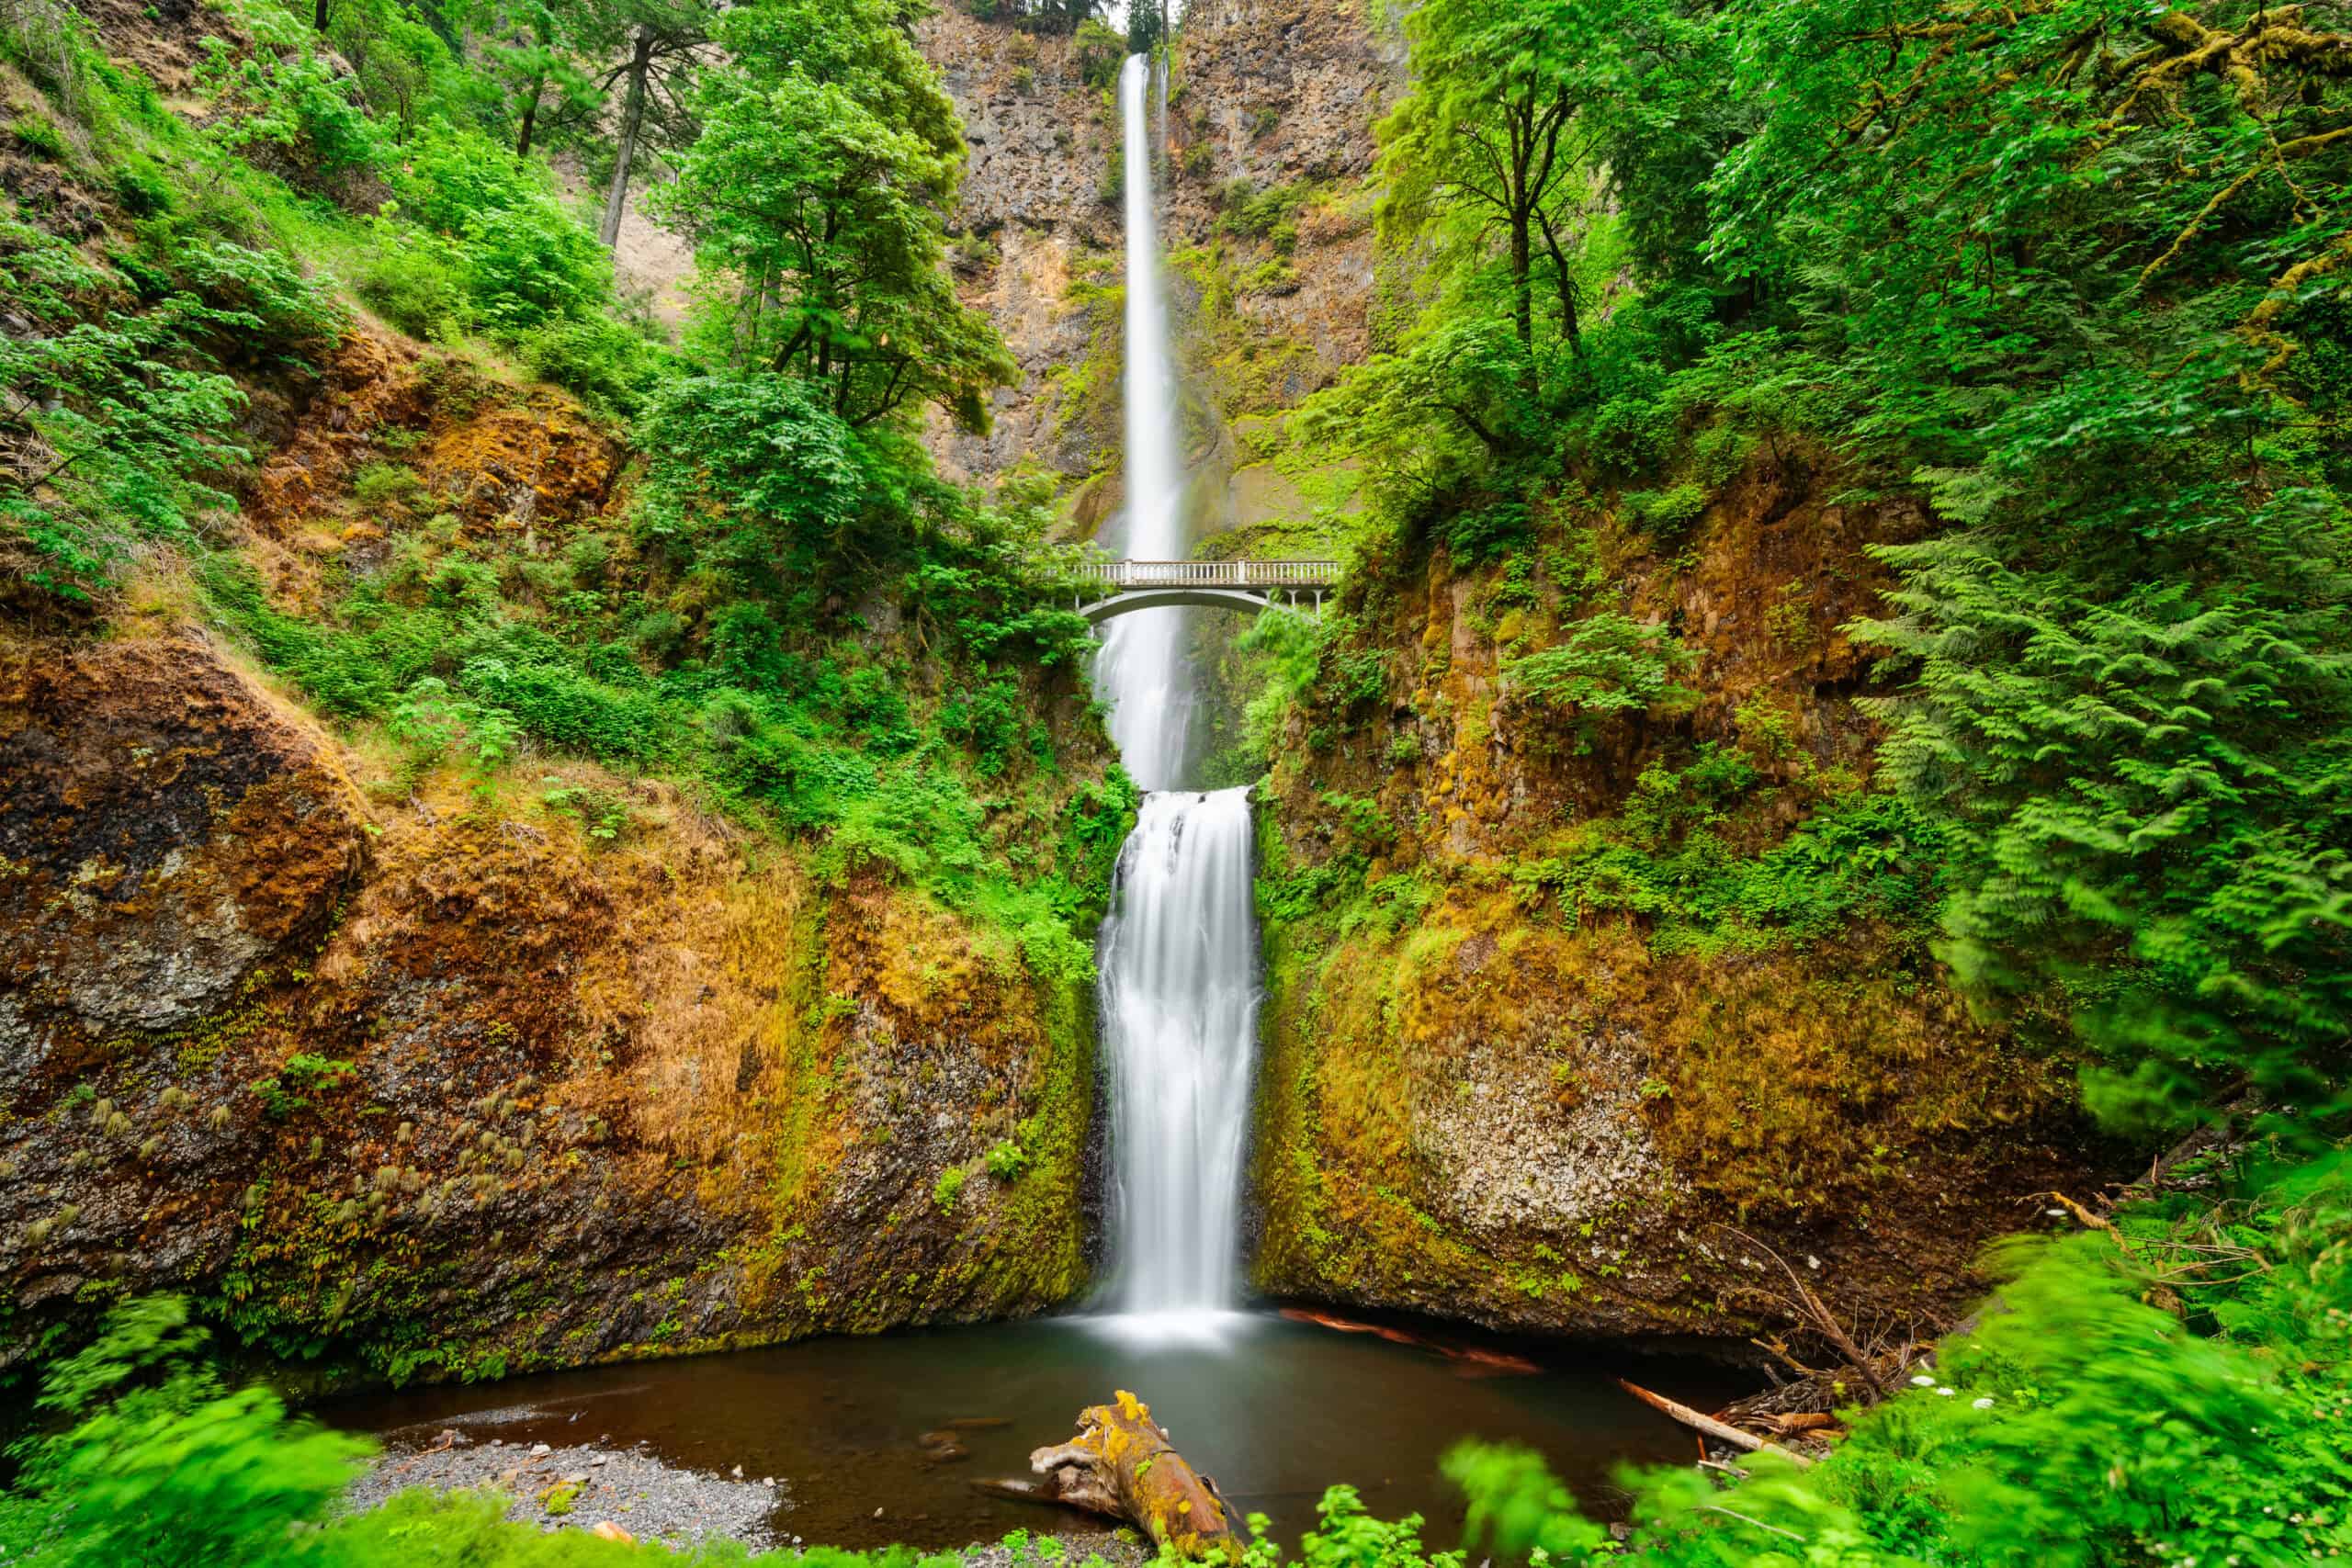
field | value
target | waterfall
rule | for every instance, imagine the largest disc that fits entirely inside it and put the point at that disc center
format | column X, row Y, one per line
column 1180, row 1013
column 1142, row 665
column 1178, row 953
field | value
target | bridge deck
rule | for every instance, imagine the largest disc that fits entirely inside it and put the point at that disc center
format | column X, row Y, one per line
column 1122, row 576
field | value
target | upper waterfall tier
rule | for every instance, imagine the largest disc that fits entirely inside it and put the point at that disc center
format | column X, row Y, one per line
column 1142, row 670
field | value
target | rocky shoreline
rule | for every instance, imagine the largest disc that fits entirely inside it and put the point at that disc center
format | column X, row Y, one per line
column 586, row 1486
column 631, row 1493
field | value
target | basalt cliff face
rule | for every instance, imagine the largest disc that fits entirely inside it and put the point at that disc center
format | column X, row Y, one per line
column 1265, row 104
column 403, row 1074
column 1566, row 1030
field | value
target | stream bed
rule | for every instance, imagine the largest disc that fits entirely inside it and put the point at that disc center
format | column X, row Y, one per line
column 1274, row 1409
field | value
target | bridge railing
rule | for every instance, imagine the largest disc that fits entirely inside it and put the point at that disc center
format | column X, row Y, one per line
column 1124, row 575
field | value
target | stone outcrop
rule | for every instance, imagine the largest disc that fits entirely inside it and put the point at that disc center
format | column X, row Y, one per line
column 165, row 831
column 1480, row 1099
column 483, row 1096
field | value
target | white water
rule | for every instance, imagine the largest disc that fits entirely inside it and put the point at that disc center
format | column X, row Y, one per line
column 1142, row 665
column 1179, row 1012
column 1177, row 954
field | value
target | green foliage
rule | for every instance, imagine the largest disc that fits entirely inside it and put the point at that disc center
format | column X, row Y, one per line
column 495, row 230
column 1098, row 53
column 118, row 403
column 2076, row 1425
column 607, row 364
column 1606, row 664
column 289, row 1092
column 147, row 1460
column 948, row 1189
column 829, row 153
column 285, row 96
column 2075, row 277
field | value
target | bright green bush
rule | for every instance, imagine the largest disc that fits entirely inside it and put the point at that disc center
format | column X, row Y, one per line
column 606, row 364
column 1605, row 663
column 117, row 398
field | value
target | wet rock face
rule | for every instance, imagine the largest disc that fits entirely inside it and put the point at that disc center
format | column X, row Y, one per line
column 1497, row 1105
column 488, row 1097
column 1264, row 97
column 163, row 833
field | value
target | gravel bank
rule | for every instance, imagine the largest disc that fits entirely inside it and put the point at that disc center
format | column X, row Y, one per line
column 580, row 1486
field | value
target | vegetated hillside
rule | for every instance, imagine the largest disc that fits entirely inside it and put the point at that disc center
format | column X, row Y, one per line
column 503, row 874
column 1577, row 1003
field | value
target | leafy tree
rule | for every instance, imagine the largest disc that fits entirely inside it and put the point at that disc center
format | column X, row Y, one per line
column 2075, row 256
column 530, row 51
column 1493, row 129
column 829, row 153
column 1042, row 16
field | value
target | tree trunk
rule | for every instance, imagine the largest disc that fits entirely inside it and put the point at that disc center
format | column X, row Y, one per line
column 1566, row 280
column 319, row 16
column 1121, row 1464
column 632, row 121
column 530, row 115
column 1523, row 285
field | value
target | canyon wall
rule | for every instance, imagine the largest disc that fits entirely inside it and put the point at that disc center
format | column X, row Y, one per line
column 1606, row 1024
column 423, row 1075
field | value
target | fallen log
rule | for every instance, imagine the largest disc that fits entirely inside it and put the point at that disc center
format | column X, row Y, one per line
column 1722, row 1431
column 1121, row 1465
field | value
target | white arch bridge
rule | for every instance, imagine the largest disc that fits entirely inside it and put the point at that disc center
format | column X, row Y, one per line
column 1121, row 587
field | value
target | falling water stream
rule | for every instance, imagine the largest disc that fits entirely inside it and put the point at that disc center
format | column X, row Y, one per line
column 1177, row 954
column 1142, row 669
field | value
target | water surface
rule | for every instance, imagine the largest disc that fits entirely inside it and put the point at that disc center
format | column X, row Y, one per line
column 1274, row 1410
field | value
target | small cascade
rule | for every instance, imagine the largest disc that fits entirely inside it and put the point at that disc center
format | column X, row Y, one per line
column 1178, row 953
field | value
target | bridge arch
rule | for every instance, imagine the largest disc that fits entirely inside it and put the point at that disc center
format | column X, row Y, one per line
column 1238, row 599
column 1123, row 587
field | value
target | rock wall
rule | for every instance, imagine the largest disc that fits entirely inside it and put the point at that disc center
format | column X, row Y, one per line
column 1480, row 1098
column 395, row 1069
column 450, row 1093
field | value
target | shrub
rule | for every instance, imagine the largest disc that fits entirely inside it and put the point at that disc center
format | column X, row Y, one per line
column 1098, row 53
column 1606, row 664
column 526, row 264
column 416, row 288
column 603, row 362
column 37, row 134
column 389, row 487
column 1007, row 1160
column 947, row 1188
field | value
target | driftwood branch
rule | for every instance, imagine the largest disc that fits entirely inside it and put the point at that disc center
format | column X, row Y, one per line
column 1121, row 1465
column 1720, row 1430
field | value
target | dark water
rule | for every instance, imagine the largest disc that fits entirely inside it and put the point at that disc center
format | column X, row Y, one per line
column 1275, row 1410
